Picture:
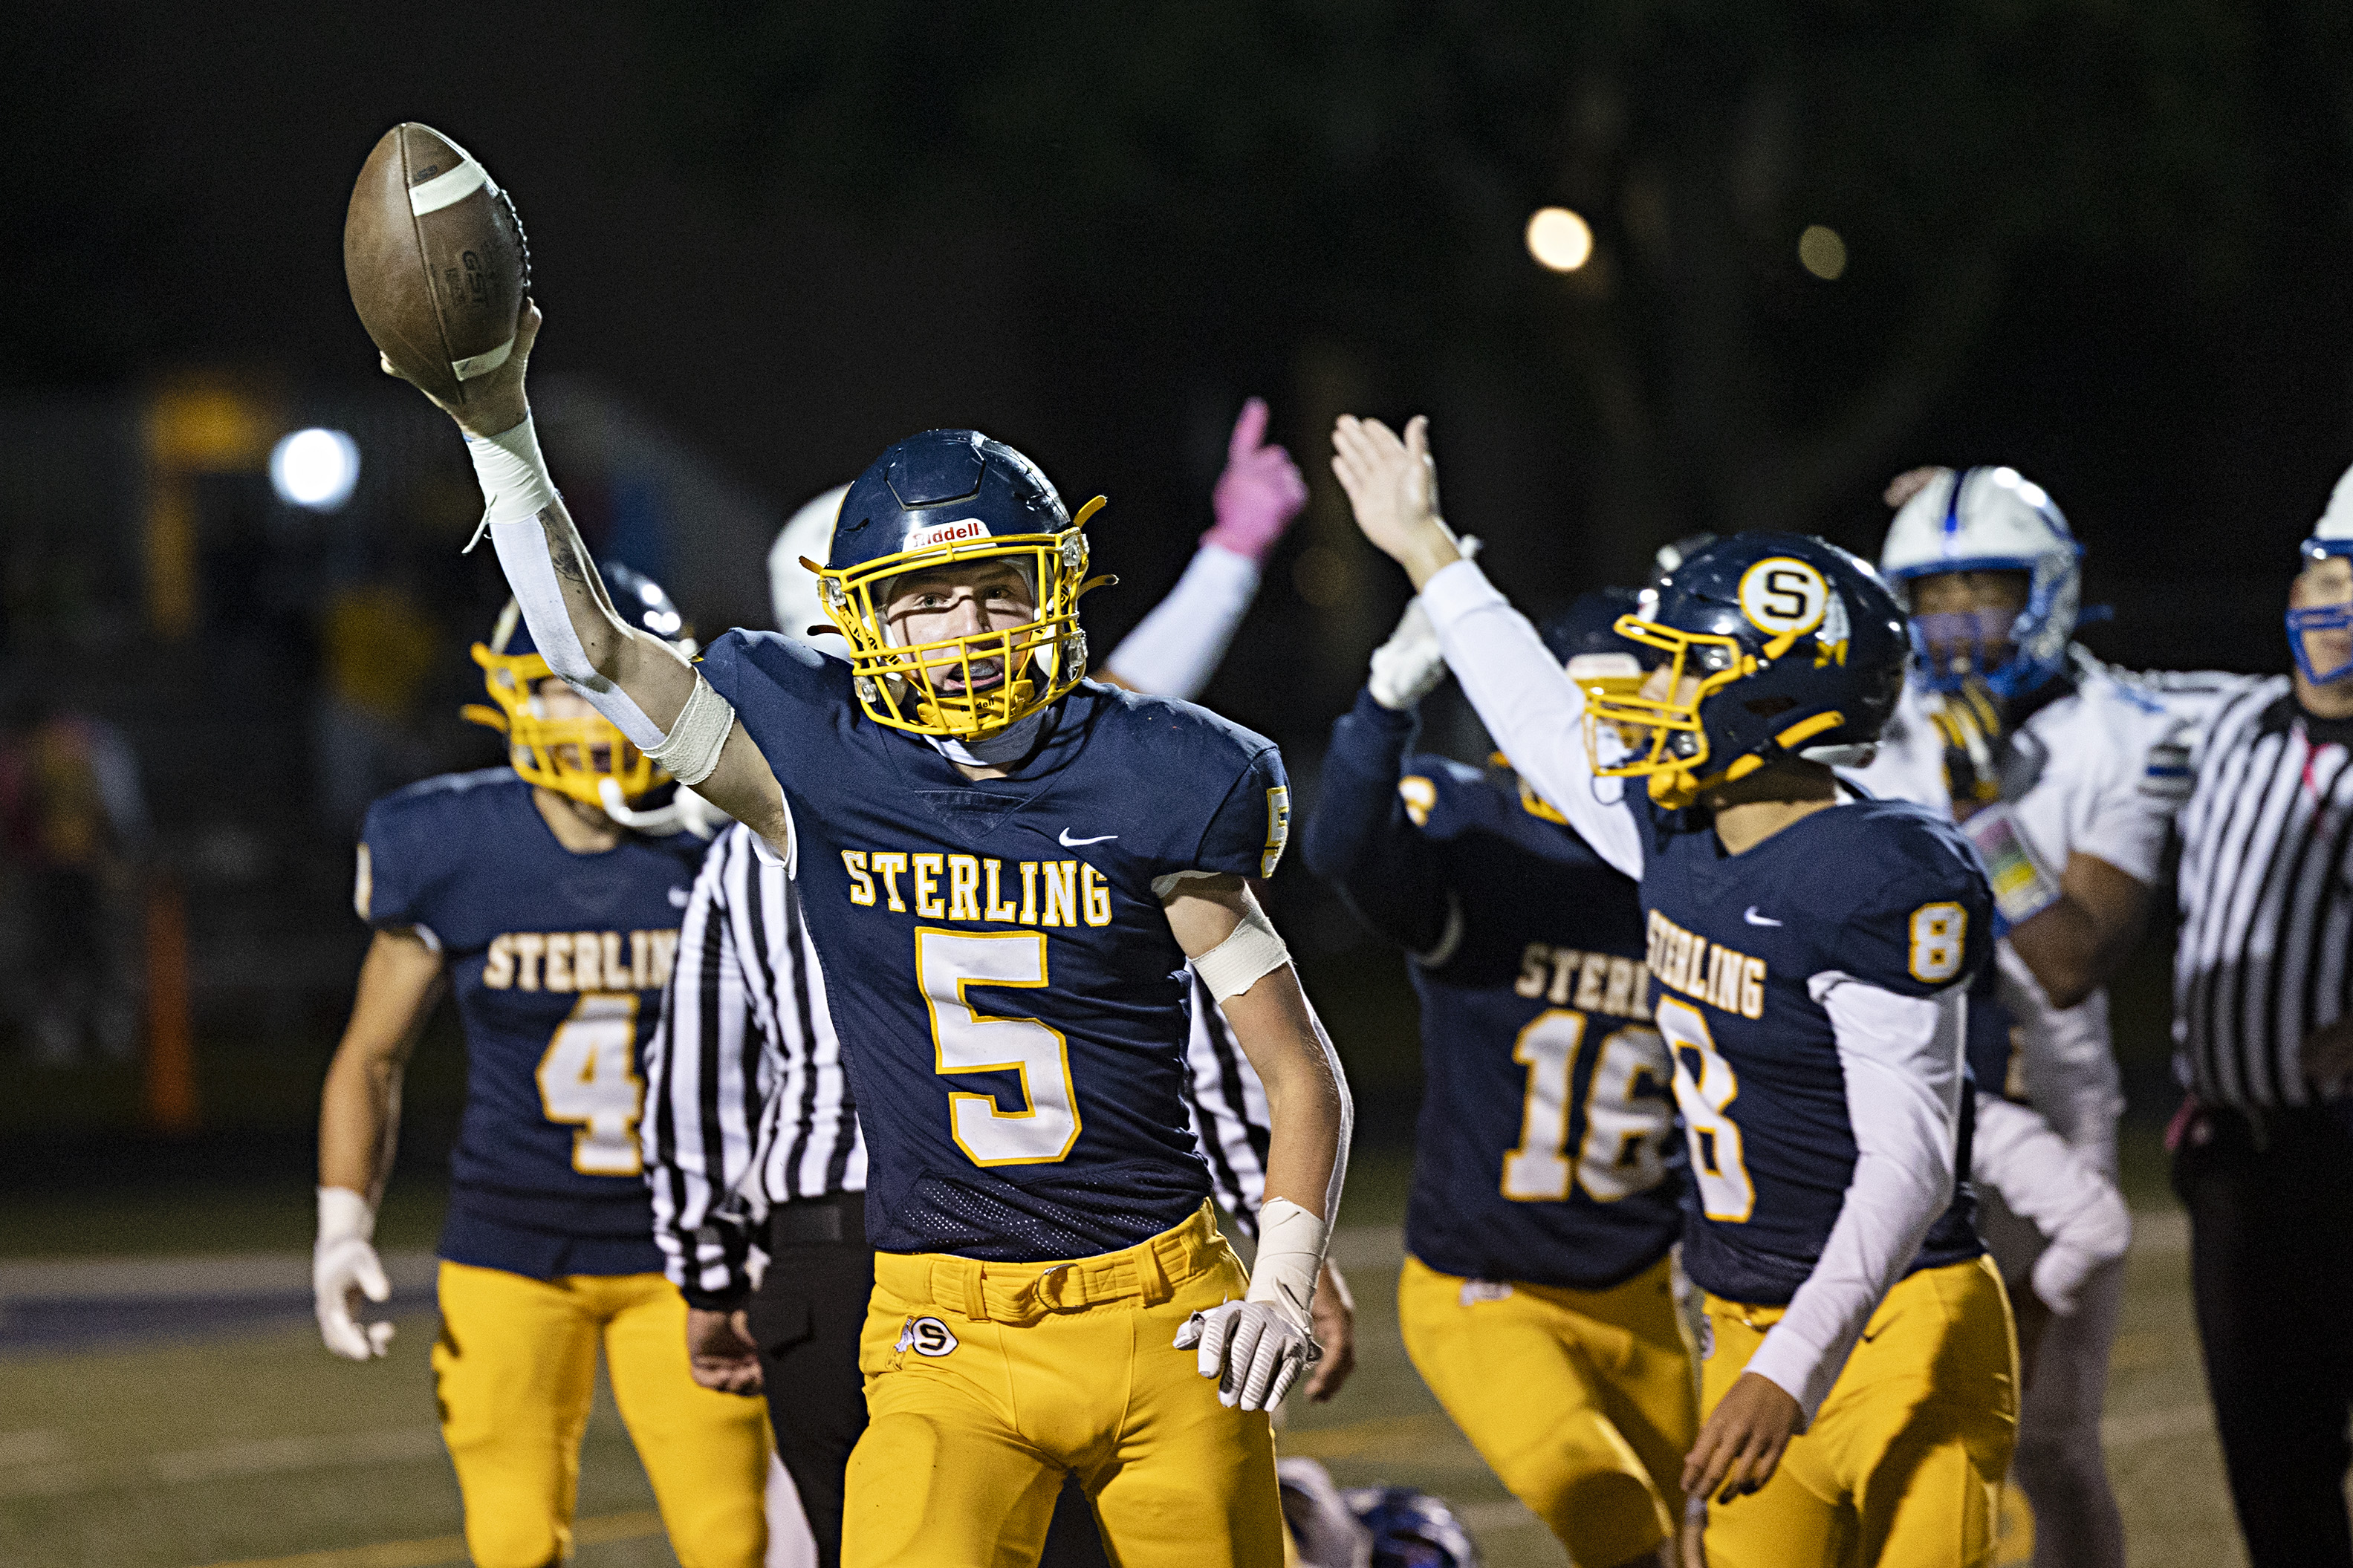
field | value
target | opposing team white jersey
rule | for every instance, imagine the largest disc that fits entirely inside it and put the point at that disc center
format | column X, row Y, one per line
column 2097, row 772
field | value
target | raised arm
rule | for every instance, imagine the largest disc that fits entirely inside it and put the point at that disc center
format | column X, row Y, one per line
column 1256, row 1347
column 1535, row 712
column 645, row 687
column 1176, row 647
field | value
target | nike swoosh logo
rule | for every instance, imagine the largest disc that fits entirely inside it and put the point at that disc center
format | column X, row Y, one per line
column 1071, row 843
column 1753, row 918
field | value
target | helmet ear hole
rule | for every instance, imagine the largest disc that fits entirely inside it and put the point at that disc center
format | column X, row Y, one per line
column 1766, row 707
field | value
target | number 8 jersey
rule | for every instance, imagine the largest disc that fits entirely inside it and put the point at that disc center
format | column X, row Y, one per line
column 1011, row 1003
column 1743, row 948
column 558, row 960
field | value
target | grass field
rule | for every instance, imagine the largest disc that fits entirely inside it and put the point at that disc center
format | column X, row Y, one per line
column 252, row 1445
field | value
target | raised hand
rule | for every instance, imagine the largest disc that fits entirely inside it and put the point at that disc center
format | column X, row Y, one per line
column 1392, row 487
column 495, row 401
column 1910, row 483
column 1261, row 491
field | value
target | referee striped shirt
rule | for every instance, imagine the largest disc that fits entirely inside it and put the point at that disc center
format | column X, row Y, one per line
column 747, row 1104
column 2266, row 891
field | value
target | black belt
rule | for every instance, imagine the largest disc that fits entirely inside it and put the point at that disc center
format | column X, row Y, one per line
column 837, row 1219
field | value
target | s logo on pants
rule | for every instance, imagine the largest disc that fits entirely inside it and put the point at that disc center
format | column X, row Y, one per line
column 927, row 1336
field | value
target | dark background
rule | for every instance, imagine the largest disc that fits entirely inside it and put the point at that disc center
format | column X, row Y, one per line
column 2103, row 244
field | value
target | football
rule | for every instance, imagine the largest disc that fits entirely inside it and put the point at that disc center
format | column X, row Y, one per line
column 435, row 260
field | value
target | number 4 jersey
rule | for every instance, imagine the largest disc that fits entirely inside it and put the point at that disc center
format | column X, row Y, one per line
column 1744, row 948
column 558, row 960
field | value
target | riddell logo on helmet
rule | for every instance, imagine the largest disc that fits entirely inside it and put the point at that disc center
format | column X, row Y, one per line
column 947, row 533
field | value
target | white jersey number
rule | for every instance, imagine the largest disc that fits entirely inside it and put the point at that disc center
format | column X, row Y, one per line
column 1705, row 1092
column 1620, row 1154
column 588, row 1078
column 1936, row 946
column 965, row 1040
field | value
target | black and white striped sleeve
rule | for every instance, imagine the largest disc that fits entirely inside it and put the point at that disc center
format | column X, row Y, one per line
column 711, row 1069
column 1227, row 1106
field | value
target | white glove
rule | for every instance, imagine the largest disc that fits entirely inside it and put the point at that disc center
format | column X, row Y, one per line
column 1409, row 667
column 1257, row 1347
column 344, row 1260
column 2068, row 1198
column 1254, row 1349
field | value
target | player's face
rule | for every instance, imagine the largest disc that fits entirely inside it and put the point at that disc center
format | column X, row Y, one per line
column 1965, row 617
column 558, row 700
column 963, row 599
column 2324, row 583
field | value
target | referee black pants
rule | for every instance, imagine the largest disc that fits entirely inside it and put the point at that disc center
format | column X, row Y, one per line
column 805, row 1318
column 2270, row 1237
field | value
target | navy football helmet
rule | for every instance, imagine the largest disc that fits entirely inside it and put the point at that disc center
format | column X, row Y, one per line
column 955, row 496
column 1412, row 1529
column 1586, row 639
column 1778, row 645
column 587, row 759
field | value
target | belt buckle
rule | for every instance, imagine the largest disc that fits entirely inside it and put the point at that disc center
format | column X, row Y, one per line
column 1047, row 1290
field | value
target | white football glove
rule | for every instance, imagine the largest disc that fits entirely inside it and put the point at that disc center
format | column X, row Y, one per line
column 343, row 1261
column 1254, row 1350
column 2067, row 1197
column 1409, row 667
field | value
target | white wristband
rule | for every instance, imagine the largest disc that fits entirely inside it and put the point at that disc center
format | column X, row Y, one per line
column 1235, row 964
column 1290, row 1256
column 513, row 474
column 344, row 1215
column 690, row 749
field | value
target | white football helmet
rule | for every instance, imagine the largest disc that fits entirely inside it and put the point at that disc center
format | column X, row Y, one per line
column 2332, row 535
column 1987, row 520
column 792, row 587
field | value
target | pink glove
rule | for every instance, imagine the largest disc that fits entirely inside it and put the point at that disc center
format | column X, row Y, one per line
column 1260, row 492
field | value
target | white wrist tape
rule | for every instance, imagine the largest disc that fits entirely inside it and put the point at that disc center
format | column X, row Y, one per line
column 344, row 1215
column 521, row 544
column 1290, row 1256
column 513, row 474
column 691, row 751
column 2021, row 888
column 1235, row 964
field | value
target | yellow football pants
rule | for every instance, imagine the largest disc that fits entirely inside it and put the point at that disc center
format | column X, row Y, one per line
column 986, row 1382
column 1903, row 1463
column 1580, row 1401
column 514, row 1373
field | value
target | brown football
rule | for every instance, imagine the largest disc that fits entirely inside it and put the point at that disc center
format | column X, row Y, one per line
column 435, row 260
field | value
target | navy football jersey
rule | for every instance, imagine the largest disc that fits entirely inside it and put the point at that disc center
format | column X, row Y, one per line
column 1883, row 891
column 558, row 960
column 1000, row 970
column 1546, row 1149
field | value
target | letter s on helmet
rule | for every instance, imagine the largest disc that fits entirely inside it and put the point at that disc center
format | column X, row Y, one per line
column 942, row 498
column 1987, row 520
column 1797, row 648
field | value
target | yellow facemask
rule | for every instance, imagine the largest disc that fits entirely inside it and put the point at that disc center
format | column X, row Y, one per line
column 574, row 757
column 898, row 685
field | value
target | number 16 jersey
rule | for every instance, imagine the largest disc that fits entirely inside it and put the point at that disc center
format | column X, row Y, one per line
column 1011, row 1003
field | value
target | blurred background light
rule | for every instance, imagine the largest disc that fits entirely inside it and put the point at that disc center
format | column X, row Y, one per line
column 315, row 468
column 1559, row 239
column 1821, row 252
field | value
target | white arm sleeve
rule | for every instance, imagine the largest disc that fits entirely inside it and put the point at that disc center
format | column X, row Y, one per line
column 1176, row 647
column 1535, row 712
column 521, row 544
column 1902, row 1059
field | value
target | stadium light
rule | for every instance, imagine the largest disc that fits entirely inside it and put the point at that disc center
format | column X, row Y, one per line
column 1821, row 252
column 315, row 468
column 1559, row 239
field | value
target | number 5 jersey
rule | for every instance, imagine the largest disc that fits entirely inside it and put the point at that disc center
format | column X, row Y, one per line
column 1011, row 1003
column 558, row 960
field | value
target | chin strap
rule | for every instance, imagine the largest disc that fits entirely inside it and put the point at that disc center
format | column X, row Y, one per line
column 686, row 813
